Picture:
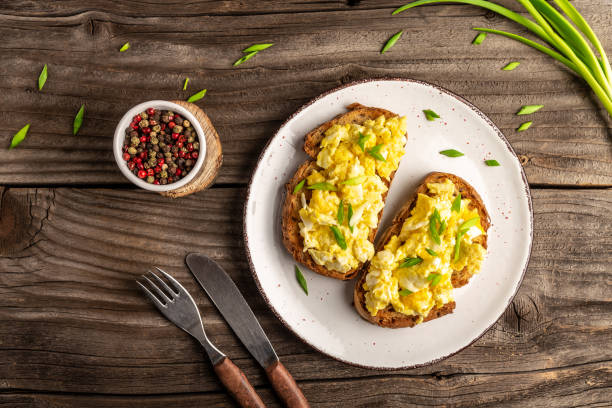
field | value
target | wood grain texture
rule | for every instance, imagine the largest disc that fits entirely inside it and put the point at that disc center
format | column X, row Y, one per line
column 72, row 320
column 318, row 45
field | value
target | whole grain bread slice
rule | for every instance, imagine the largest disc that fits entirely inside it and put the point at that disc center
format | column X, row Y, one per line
column 388, row 317
column 292, row 239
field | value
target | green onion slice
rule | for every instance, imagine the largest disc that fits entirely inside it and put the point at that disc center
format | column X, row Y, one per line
column 298, row 186
column 301, row 280
column 511, row 66
column 451, row 153
column 457, row 245
column 391, row 41
column 479, row 38
column 245, row 58
column 185, row 84
column 355, row 180
column 434, row 278
column 339, row 236
column 433, row 227
column 431, row 252
column 469, row 224
column 524, row 126
column 456, row 206
column 322, row 186
column 362, row 140
column 529, row 109
column 407, row 262
column 430, row 115
column 257, row 47
column 349, row 216
column 375, row 152
column 197, row 96
column 42, row 78
column 492, row 163
column 340, row 213
column 19, row 136
column 405, row 292
column 124, row 47
column 78, row 120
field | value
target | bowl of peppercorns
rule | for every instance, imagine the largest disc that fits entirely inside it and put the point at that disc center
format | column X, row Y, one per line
column 159, row 146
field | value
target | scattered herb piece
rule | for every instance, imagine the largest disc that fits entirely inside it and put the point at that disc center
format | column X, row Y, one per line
column 322, row 186
column 492, row 163
column 431, row 252
column 433, row 226
column 301, row 280
column 78, row 120
column 185, row 84
column 391, row 41
column 245, row 58
column 511, row 66
column 456, row 206
column 524, row 126
column 405, row 292
column 434, row 278
column 375, row 152
column 42, row 78
column 257, row 47
column 410, row 262
column 451, row 153
column 479, row 38
column 350, row 215
column 197, row 96
column 339, row 236
column 19, row 136
column 457, row 245
column 124, row 47
column 362, row 139
column 298, row 186
column 529, row 109
column 355, row 180
column 340, row 213
column 469, row 224
column 430, row 115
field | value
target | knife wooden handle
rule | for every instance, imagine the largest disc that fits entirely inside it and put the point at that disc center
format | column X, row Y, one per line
column 285, row 386
column 237, row 384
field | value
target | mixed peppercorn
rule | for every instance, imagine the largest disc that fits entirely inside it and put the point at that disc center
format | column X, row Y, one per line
column 160, row 147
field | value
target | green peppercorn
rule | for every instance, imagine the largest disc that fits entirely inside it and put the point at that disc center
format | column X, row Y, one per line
column 163, row 174
column 132, row 150
column 164, row 166
column 196, row 145
column 156, row 128
column 190, row 139
column 177, row 129
column 146, row 165
column 167, row 154
column 154, row 140
column 135, row 141
column 150, row 179
column 143, row 123
column 144, row 115
column 152, row 163
column 186, row 123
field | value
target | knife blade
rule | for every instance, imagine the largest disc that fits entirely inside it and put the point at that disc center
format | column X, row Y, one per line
column 224, row 294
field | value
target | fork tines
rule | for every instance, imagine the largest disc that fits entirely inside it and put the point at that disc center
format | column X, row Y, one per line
column 161, row 297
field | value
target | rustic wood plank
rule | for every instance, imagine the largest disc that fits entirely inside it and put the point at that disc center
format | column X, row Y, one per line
column 72, row 320
column 319, row 45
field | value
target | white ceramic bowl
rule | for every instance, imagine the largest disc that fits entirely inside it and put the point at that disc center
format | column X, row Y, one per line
column 120, row 137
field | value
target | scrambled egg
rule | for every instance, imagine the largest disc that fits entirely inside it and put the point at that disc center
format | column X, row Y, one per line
column 413, row 271
column 347, row 190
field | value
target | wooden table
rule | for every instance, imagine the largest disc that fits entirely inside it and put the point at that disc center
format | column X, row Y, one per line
column 74, row 329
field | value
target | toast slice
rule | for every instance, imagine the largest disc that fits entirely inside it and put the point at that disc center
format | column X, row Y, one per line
column 388, row 317
column 292, row 239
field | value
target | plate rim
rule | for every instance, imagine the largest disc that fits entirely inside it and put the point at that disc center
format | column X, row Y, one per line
column 316, row 99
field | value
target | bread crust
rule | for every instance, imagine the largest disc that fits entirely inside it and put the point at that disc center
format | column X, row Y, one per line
column 290, row 217
column 388, row 317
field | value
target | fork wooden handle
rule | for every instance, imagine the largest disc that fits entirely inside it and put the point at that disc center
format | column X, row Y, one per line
column 237, row 384
column 285, row 386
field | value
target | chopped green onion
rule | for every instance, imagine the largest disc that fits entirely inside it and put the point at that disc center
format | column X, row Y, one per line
column 457, row 246
column 257, row 47
column 456, row 206
column 245, row 58
column 124, row 47
column 479, row 38
column 350, row 215
column 434, row 278
column 19, row 136
column 339, row 236
column 197, row 96
column 78, row 120
column 391, row 41
column 405, row 292
column 430, row 115
column 407, row 262
column 322, row 186
column 340, row 213
column 511, row 66
column 433, row 226
column 524, row 126
column 431, row 252
column 375, row 152
column 451, row 153
column 355, row 180
column 492, row 163
column 362, row 139
column 185, row 84
column 42, row 78
column 301, row 280
column 529, row 109
column 298, row 186
column 469, row 224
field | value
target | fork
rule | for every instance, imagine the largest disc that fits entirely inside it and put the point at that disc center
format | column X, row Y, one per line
column 179, row 307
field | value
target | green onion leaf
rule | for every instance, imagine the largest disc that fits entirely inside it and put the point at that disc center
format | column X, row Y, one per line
column 298, row 186
column 355, row 180
column 375, row 152
column 430, row 115
column 350, row 215
column 362, row 139
column 42, row 78
column 257, row 47
column 479, row 38
column 457, row 245
column 442, row 227
column 410, row 262
column 524, row 126
column 197, row 96
column 529, row 109
column 301, row 280
column 434, row 278
column 322, row 186
column 511, row 66
column 431, row 252
column 469, row 224
column 245, row 58
column 391, row 41
column 405, row 292
column 492, row 163
column 433, row 227
column 78, row 120
column 451, row 153
column 124, row 47
column 185, row 84
column 340, row 213
column 456, row 206
column 339, row 236
column 19, row 136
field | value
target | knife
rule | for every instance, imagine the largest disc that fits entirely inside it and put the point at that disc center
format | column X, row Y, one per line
column 230, row 302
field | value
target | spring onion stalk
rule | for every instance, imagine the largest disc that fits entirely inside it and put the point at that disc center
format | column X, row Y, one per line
column 566, row 40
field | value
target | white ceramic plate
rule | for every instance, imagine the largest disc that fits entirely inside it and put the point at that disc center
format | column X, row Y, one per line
column 325, row 318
